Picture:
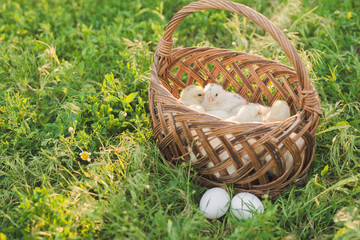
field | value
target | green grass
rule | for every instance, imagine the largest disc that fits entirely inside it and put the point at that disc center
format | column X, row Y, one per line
column 85, row 64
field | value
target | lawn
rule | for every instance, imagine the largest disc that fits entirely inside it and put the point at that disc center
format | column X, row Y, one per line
column 74, row 77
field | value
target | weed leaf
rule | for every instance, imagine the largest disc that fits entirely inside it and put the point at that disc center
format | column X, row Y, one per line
column 130, row 97
column 325, row 170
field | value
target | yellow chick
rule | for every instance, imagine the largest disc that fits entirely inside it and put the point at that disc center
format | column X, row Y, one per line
column 246, row 113
column 219, row 113
column 279, row 111
column 193, row 96
column 216, row 98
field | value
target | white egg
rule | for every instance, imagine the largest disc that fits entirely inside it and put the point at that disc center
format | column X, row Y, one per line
column 214, row 203
column 245, row 205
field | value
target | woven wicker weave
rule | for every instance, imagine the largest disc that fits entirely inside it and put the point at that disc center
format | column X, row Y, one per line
column 250, row 156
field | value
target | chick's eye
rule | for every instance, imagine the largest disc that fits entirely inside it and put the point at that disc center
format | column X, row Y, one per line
column 199, row 94
column 216, row 95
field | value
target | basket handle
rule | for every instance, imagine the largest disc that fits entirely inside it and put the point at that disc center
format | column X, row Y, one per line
column 165, row 45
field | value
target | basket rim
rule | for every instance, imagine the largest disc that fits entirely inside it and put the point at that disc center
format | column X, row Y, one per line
column 308, row 100
column 240, row 53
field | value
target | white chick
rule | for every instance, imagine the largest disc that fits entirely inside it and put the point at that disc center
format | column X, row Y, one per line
column 193, row 96
column 246, row 113
column 252, row 112
column 216, row 98
column 219, row 113
column 262, row 111
column 279, row 111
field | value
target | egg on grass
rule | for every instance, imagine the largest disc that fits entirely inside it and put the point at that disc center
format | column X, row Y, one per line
column 245, row 205
column 215, row 203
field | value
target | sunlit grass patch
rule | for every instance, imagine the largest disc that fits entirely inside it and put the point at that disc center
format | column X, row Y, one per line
column 46, row 214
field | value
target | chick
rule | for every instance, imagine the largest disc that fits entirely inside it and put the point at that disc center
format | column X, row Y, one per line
column 216, row 98
column 219, row 113
column 193, row 96
column 252, row 112
column 246, row 113
column 262, row 112
column 279, row 111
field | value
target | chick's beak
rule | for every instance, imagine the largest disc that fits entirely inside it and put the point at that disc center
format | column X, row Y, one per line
column 211, row 99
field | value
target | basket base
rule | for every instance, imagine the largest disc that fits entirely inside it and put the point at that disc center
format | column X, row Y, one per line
column 269, row 193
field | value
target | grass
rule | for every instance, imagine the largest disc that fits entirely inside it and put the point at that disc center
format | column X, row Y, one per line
column 85, row 64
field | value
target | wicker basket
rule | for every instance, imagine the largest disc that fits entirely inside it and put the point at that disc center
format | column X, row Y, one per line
column 250, row 156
